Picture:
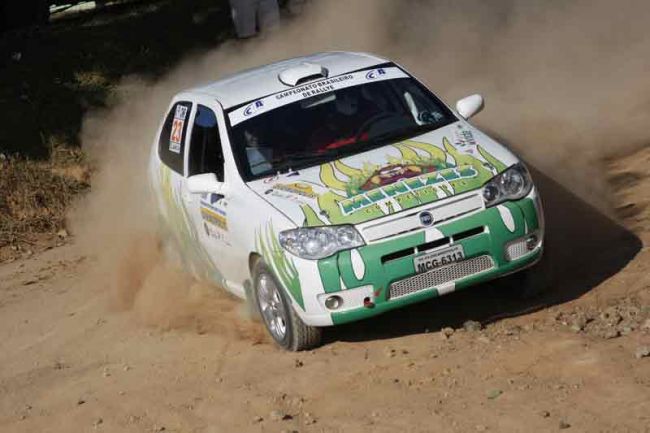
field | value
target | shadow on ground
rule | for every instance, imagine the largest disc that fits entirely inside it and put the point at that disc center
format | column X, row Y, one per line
column 584, row 248
column 52, row 75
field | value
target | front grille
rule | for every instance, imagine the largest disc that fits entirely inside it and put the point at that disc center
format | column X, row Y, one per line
column 442, row 275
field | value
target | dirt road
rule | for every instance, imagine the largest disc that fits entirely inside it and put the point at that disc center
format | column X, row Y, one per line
column 189, row 360
column 572, row 360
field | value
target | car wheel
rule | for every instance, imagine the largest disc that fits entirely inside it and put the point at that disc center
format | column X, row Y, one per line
column 281, row 321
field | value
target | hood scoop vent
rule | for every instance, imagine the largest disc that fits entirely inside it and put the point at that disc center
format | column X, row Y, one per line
column 303, row 73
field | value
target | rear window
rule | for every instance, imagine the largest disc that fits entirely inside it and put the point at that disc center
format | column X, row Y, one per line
column 171, row 144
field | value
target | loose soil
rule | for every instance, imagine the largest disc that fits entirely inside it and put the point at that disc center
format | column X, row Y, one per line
column 574, row 359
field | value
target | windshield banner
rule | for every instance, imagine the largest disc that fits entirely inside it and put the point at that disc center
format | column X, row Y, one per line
column 328, row 85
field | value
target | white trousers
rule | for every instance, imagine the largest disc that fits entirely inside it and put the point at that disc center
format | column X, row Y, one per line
column 251, row 15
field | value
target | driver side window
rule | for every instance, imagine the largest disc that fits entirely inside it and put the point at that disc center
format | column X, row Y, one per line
column 206, row 155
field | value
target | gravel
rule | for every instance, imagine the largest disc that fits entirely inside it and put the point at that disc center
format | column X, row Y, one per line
column 608, row 322
column 642, row 352
column 446, row 332
column 472, row 326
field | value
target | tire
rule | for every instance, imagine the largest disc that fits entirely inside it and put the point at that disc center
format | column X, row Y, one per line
column 277, row 313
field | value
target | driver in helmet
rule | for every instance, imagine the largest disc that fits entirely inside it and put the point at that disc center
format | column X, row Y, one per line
column 342, row 125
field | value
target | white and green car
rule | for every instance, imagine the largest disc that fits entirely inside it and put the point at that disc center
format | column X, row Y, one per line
column 336, row 187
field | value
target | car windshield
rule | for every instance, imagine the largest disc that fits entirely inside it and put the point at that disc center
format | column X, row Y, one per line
column 327, row 120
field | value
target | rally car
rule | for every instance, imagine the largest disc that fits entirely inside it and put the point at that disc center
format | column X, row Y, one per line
column 336, row 187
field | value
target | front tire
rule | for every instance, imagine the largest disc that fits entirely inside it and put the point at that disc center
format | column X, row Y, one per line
column 280, row 319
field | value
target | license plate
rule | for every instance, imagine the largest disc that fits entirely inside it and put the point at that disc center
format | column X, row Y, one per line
column 429, row 261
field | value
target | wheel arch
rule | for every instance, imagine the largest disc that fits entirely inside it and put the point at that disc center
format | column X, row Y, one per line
column 253, row 257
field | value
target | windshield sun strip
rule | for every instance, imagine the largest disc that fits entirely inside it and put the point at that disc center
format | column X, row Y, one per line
column 315, row 88
column 381, row 65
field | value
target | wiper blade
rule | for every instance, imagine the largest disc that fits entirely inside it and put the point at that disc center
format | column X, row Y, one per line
column 305, row 160
column 401, row 135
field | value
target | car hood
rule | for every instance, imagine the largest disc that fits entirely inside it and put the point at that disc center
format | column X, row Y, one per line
column 372, row 184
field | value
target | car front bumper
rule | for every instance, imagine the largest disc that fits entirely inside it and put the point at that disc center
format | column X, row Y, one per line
column 381, row 276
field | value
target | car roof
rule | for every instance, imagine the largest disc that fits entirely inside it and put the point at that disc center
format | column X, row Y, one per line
column 255, row 83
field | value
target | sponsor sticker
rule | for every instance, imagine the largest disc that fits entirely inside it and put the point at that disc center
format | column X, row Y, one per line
column 176, row 135
column 298, row 188
column 393, row 187
column 181, row 112
column 212, row 215
column 374, row 74
column 252, row 108
column 313, row 89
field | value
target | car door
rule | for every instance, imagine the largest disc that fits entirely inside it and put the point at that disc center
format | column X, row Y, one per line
column 179, row 228
column 209, row 211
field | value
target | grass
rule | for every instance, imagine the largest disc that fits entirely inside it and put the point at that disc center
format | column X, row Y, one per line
column 36, row 195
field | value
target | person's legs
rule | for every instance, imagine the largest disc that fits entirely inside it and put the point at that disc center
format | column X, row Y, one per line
column 296, row 6
column 243, row 15
column 268, row 14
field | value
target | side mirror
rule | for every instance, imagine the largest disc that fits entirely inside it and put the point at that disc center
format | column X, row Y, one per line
column 470, row 106
column 204, row 183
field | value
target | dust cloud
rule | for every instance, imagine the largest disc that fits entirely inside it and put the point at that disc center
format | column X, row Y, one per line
column 566, row 84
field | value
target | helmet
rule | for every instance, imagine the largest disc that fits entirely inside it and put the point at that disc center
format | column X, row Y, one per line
column 347, row 104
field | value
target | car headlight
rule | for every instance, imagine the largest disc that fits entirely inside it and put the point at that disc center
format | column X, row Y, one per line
column 315, row 243
column 513, row 184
